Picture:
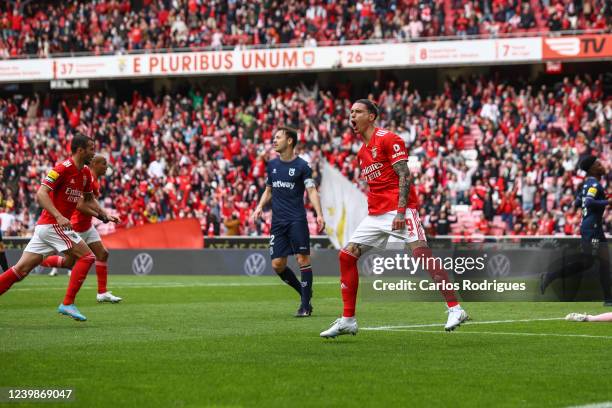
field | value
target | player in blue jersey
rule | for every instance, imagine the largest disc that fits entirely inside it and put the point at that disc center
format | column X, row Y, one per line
column 288, row 177
column 592, row 199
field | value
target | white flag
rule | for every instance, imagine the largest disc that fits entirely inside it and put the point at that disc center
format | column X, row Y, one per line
column 344, row 205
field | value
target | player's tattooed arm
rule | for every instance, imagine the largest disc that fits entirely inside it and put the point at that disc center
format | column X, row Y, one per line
column 401, row 169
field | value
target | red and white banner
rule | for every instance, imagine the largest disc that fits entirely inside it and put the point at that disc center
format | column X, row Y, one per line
column 25, row 70
column 232, row 62
column 277, row 60
column 478, row 51
column 518, row 49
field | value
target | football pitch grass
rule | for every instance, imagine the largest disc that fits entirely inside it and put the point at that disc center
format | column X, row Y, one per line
column 193, row 341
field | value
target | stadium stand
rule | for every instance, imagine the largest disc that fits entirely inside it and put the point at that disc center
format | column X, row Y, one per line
column 513, row 16
column 494, row 157
column 41, row 29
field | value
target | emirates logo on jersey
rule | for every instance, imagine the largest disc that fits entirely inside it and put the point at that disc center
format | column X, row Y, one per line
column 73, row 195
column 372, row 167
column 372, row 171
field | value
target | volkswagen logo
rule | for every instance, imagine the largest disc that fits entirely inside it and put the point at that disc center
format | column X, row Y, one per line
column 499, row 266
column 142, row 264
column 255, row 264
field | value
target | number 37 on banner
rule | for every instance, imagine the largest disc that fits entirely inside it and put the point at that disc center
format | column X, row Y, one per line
column 62, row 69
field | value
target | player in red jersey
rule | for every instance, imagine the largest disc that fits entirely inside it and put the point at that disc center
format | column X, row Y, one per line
column 392, row 212
column 81, row 223
column 61, row 190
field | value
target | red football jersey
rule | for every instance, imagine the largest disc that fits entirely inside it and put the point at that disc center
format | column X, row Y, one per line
column 376, row 160
column 82, row 222
column 67, row 183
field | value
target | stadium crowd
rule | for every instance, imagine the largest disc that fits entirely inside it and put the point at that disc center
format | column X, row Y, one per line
column 472, row 17
column 506, row 154
column 42, row 28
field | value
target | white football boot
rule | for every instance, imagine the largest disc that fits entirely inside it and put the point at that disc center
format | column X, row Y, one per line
column 576, row 317
column 339, row 327
column 456, row 316
column 54, row 272
column 108, row 297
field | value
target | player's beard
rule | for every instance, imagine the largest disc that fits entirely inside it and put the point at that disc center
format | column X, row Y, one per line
column 279, row 148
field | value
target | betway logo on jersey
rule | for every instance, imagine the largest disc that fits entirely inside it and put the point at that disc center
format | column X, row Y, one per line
column 283, row 184
column 372, row 171
column 73, row 195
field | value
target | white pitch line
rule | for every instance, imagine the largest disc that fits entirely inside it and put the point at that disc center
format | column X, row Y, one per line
column 467, row 323
column 588, row 336
column 607, row 404
column 171, row 285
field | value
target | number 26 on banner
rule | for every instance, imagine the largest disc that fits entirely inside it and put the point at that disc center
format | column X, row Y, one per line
column 349, row 57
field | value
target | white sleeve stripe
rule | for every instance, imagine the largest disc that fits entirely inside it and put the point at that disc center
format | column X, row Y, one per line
column 309, row 183
column 399, row 160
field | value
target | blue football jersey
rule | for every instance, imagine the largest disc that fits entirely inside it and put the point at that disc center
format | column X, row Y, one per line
column 591, row 198
column 288, row 181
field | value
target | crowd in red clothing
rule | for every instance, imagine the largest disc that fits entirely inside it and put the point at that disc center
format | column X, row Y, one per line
column 43, row 28
column 505, row 151
column 474, row 17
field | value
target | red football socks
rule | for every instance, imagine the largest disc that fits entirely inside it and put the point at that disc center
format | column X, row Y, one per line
column 79, row 273
column 53, row 261
column 349, row 282
column 8, row 278
column 437, row 272
column 101, row 273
